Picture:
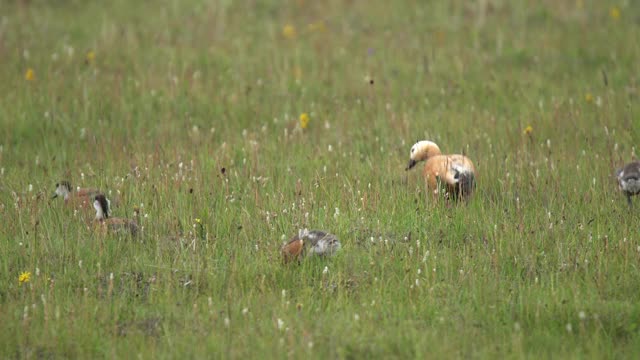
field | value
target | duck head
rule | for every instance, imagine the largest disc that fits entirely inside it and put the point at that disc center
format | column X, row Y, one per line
column 420, row 151
column 63, row 189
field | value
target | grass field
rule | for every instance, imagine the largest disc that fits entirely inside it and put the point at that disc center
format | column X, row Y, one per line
column 151, row 100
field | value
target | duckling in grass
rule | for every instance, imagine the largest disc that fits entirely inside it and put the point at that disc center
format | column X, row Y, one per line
column 456, row 174
column 310, row 243
column 113, row 225
column 79, row 199
column 629, row 180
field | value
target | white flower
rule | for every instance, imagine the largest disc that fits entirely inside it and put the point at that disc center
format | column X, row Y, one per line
column 325, row 271
column 245, row 311
column 582, row 315
column 280, row 324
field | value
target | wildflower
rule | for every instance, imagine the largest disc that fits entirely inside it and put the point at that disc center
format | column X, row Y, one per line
column 24, row 277
column 289, row 31
column 588, row 98
column 280, row 324
column 30, row 75
column 528, row 130
column 304, row 120
column 582, row 315
column 91, row 56
column 614, row 13
column 198, row 221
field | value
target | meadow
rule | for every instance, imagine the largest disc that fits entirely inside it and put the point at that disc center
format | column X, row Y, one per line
column 227, row 126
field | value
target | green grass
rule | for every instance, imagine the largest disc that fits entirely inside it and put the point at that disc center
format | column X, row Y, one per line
column 543, row 262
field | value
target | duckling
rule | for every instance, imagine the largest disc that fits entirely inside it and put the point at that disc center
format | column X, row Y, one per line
column 310, row 243
column 455, row 173
column 629, row 180
column 80, row 199
column 114, row 225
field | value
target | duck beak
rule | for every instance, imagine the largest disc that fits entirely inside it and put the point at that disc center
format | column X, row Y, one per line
column 411, row 164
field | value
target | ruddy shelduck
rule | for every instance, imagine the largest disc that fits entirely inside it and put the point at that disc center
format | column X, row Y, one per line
column 310, row 243
column 629, row 180
column 109, row 224
column 455, row 174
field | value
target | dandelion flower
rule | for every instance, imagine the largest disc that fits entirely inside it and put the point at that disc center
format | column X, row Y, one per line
column 614, row 13
column 288, row 31
column 24, row 277
column 304, row 120
column 588, row 98
column 91, row 56
column 528, row 130
column 582, row 315
column 30, row 75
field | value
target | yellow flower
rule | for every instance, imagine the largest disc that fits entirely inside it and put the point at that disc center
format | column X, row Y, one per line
column 289, row 31
column 304, row 120
column 588, row 97
column 91, row 56
column 528, row 130
column 24, row 277
column 30, row 75
column 614, row 12
column 198, row 221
